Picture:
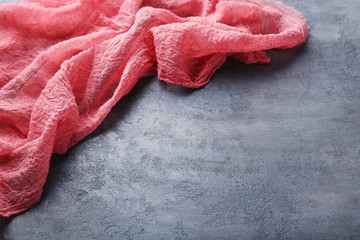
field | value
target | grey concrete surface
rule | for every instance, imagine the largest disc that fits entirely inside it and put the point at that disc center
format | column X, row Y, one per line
column 261, row 152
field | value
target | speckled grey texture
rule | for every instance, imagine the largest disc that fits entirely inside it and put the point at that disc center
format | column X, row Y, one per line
column 261, row 152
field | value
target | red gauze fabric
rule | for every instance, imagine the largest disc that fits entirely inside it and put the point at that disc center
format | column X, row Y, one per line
column 65, row 63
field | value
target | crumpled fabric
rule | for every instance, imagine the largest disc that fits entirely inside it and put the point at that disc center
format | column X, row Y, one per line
column 65, row 63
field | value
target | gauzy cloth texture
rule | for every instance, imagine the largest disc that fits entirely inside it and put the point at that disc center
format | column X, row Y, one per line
column 65, row 63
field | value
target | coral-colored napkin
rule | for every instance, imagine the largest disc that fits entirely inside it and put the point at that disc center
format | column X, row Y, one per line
column 65, row 63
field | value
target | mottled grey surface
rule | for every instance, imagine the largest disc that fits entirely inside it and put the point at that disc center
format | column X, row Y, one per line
column 261, row 152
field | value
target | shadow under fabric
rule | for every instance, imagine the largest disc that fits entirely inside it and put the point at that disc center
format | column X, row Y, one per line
column 64, row 64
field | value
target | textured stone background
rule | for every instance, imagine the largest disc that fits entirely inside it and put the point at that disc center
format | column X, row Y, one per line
column 261, row 152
